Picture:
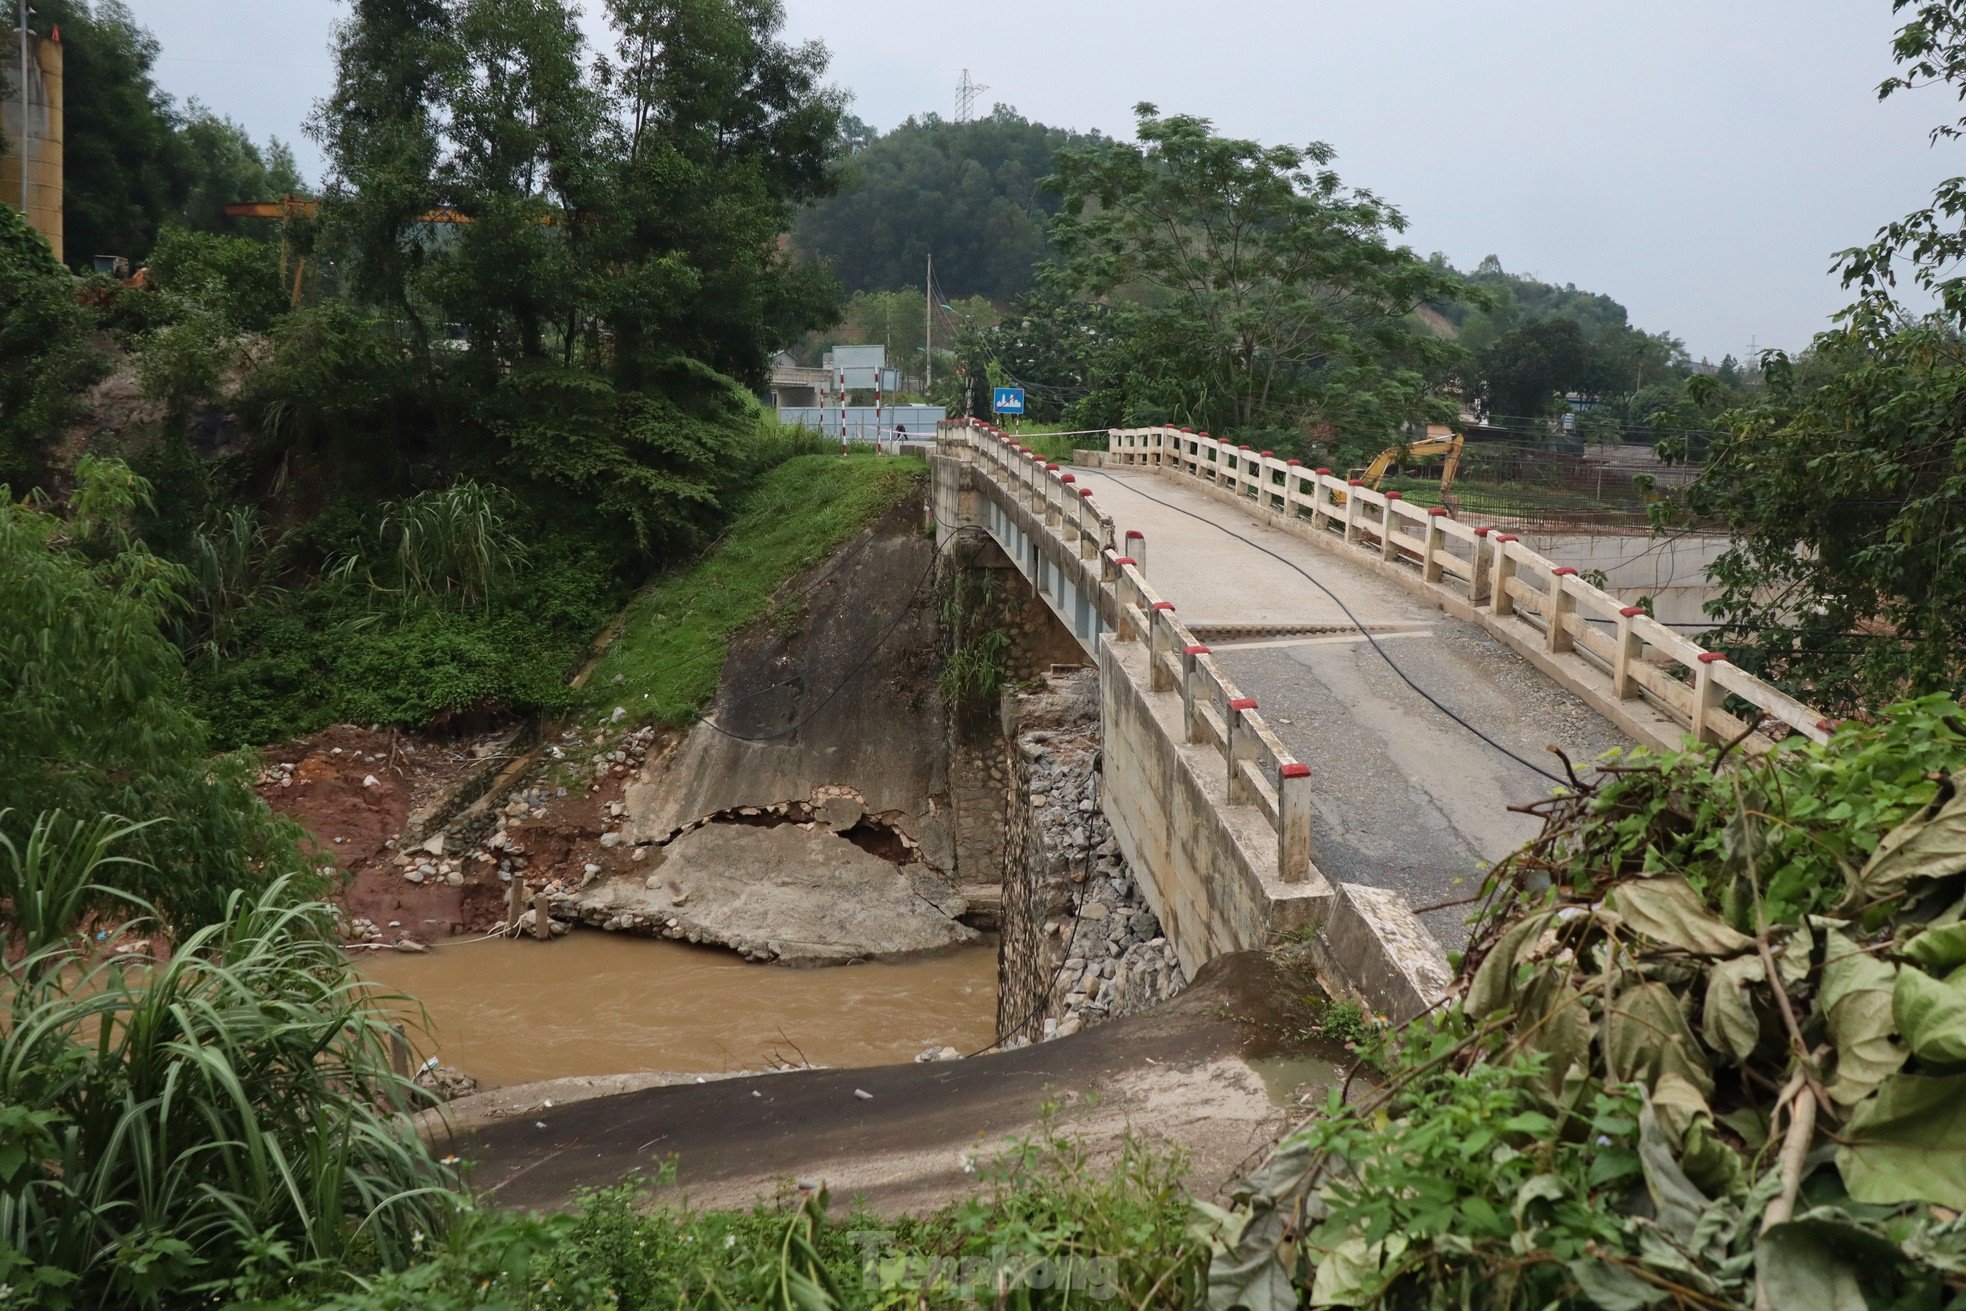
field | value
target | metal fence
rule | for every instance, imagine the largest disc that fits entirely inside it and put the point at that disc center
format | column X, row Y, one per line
column 863, row 423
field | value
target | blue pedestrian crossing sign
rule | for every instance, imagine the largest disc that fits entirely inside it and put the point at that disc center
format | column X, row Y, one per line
column 1008, row 400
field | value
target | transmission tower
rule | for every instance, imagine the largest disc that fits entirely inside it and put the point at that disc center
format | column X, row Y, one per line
column 966, row 92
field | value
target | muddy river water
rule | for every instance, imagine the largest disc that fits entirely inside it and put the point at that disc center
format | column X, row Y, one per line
column 601, row 1003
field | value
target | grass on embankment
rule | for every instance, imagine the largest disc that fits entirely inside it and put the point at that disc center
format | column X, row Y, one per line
column 671, row 646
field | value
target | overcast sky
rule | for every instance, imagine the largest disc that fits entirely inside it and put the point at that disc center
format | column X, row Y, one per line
column 1700, row 162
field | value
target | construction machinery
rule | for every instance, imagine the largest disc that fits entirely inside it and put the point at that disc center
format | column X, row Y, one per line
column 1439, row 441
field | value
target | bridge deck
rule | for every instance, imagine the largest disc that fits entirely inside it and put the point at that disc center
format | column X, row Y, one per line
column 1405, row 798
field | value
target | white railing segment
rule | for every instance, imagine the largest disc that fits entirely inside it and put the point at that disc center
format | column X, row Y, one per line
column 1530, row 601
column 1260, row 771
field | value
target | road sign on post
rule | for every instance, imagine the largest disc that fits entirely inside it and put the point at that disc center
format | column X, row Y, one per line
column 1008, row 400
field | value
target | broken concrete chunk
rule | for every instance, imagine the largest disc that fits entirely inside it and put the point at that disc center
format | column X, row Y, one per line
column 839, row 813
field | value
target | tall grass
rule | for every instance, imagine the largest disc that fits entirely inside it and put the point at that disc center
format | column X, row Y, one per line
column 446, row 545
column 227, row 572
column 202, row 1126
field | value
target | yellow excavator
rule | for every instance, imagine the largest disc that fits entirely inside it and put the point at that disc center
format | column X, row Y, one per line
column 1438, row 441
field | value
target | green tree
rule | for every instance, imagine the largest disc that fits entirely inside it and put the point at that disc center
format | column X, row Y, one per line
column 523, row 156
column 93, row 714
column 45, row 354
column 970, row 194
column 1275, row 284
column 727, row 129
column 222, row 164
column 1525, row 373
column 1841, row 485
column 379, row 128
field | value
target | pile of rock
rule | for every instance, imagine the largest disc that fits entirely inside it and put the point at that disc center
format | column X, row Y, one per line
column 444, row 1083
column 1080, row 943
column 363, row 929
column 1118, row 961
column 625, row 755
column 427, row 863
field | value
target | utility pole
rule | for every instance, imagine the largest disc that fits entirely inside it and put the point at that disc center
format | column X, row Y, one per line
column 928, row 335
column 23, row 110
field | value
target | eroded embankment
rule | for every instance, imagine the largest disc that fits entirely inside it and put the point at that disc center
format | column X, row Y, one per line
column 806, row 818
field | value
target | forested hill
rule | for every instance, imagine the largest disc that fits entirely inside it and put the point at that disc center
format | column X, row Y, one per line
column 967, row 192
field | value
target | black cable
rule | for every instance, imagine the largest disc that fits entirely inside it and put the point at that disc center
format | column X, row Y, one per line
column 1392, row 663
column 1051, row 988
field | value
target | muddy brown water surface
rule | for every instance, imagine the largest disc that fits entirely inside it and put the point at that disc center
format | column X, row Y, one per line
column 600, row 1003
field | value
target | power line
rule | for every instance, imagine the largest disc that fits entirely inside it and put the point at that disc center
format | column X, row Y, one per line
column 1404, row 677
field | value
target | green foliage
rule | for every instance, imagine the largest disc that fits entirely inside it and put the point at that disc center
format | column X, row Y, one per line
column 444, row 547
column 338, row 650
column 183, row 360
column 337, row 391
column 1806, row 816
column 1255, row 282
column 222, row 165
column 1052, row 1231
column 666, row 660
column 972, row 194
column 650, row 463
column 214, row 1123
column 1846, row 579
column 234, row 279
column 45, row 355
column 1343, row 1020
column 1705, row 1049
column 93, row 713
column 975, row 648
column 1846, row 576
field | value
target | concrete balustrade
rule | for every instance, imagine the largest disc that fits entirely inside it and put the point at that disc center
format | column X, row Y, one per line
column 1653, row 683
column 1257, row 769
column 1210, row 809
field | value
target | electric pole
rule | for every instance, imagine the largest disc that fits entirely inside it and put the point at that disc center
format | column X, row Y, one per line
column 928, row 333
column 967, row 90
column 23, row 110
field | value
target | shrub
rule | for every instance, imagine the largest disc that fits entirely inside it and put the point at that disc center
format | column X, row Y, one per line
column 236, row 279
column 209, row 1125
column 45, row 356
column 93, row 713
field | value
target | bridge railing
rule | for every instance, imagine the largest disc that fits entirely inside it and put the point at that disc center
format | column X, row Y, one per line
column 1525, row 597
column 1215, row 713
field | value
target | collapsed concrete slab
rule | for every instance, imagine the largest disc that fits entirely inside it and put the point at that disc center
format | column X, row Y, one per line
column 798, row 894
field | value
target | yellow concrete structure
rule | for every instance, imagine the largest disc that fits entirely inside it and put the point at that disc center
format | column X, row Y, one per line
column 36, row 139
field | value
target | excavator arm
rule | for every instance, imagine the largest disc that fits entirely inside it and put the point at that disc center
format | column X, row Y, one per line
column 1375, row 473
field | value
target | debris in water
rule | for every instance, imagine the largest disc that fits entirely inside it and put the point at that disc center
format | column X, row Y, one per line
column 863, row 1094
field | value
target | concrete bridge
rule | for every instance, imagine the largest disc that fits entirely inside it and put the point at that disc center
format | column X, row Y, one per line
column 1319, row 710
